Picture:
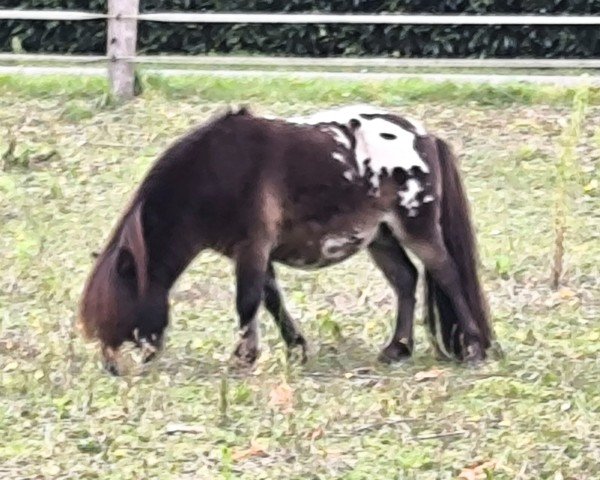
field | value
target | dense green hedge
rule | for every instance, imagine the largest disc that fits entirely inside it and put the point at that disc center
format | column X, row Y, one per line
column 319, row 40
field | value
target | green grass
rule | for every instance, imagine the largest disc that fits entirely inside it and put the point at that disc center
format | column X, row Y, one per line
column 256, row 89
column 533, row 414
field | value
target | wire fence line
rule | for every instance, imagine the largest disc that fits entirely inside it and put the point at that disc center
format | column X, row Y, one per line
column 123, row 15
column 306, row 18
column 338, row 62
column 563, row 80
column 50, row 15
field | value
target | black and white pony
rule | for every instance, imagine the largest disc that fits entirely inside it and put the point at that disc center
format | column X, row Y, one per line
column 306, row 192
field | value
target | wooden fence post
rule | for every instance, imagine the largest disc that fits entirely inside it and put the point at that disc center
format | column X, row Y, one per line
column 121, row 46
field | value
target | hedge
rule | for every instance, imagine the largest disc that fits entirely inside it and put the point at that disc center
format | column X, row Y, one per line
column 318, row 40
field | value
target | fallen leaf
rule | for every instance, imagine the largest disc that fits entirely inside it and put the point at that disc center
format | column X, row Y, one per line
column 566, row 293
column 10, row 366
column 257, row 449
column 316, row 434
column 590, row 187
column 428, row 374
column 282, row 398
column 477, row 471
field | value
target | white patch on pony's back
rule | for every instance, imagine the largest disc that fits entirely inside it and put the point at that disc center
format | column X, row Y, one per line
column 383, row 143
column 383, row 152
column 419, row 127
column 341, row 115
column 408, row 197
column 339, row 137
column 397, row 152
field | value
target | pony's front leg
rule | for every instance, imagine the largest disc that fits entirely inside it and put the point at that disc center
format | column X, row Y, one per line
column 110, row 359
column 251, row 268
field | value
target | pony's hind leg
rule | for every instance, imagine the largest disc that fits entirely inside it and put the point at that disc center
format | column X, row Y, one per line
column 287, row 325
column 400, row 272
column 444, row 272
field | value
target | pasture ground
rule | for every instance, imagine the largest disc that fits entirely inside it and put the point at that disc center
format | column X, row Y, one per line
column 70, row 160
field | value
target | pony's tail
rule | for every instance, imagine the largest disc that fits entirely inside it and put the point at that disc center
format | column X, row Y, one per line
column 459, row 239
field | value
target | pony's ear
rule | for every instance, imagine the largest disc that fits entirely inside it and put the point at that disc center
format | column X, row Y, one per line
column 125, row 264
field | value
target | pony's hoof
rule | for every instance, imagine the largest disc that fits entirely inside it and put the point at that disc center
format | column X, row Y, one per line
column 246, row 353
column 474, row 355
column 149, row 351
column 296, row 356
column 147, row 357
column 110, row 360
column 394, row 352
column 301, row 342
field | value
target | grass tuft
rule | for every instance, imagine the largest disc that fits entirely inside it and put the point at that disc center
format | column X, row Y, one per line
column 566, row 171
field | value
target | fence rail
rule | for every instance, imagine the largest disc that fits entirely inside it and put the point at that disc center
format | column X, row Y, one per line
column 565, row 81
column 307, row 18
column 338, row 62
column 49, row 15
column 123, row 16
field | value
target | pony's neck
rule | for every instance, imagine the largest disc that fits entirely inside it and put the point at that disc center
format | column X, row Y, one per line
column 166, row 264
column 172, row 242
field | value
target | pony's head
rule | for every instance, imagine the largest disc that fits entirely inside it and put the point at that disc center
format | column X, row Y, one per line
column 120, row 302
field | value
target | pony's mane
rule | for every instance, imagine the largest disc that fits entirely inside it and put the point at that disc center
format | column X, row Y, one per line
column 174, row 155
column 169, row 158
column 99, row 299
column 98, row 302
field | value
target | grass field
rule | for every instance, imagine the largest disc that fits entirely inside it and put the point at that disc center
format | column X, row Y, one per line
column 70, row 159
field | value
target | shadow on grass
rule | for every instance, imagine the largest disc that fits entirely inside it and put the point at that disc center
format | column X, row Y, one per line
column 349, row 357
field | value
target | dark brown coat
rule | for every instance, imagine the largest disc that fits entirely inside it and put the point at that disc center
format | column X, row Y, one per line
column 269, row 190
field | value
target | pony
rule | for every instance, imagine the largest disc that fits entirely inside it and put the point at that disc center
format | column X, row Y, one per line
column 307, row 192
